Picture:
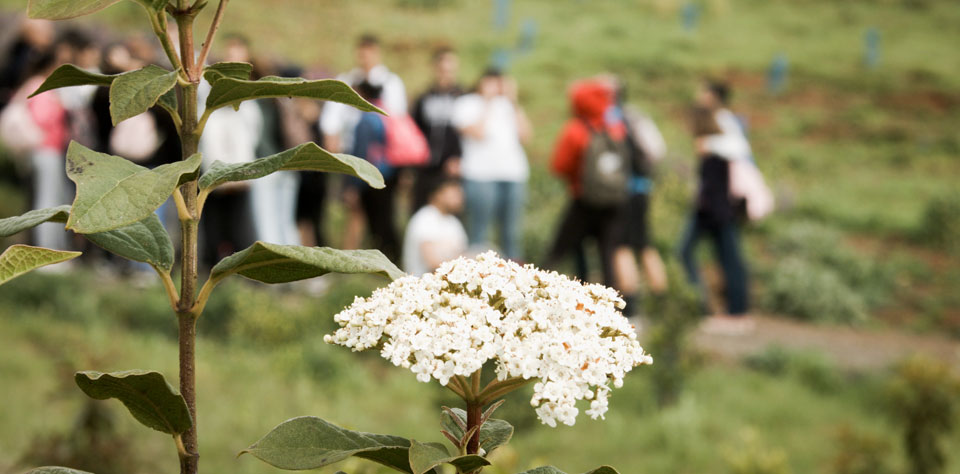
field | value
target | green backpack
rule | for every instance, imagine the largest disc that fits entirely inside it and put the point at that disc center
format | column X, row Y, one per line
column 605, row 173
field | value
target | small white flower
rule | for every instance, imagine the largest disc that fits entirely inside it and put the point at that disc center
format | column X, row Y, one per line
column 531, row 323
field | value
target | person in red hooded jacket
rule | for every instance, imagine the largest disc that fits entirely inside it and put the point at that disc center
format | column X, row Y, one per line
column 590, row 100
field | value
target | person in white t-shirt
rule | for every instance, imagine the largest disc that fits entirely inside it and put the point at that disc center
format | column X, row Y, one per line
column 434, row 233
column 494, row 165
column 338, row 121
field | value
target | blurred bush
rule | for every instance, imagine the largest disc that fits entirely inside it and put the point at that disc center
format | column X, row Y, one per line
column 816, row 276
column 940, row 226
column 751, row 455
column 673, row 315
column 92, row 445
column 859, row 452
column 924, row 397
column 813, row 369
column 812, row 291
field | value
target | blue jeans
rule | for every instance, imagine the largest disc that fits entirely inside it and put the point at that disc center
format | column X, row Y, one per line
column 500, row 200
column 726, row 241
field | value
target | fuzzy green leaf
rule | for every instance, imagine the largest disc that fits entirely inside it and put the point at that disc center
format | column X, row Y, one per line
column 20, row 259
column 148, row 396
column 65, row 9
column 231, row 91
column 603, row 470
column 69, row 75
column 134, row 92
column 309, row 442
column 273, row 263
column 112, row 192
column 232, row 70
column 425, row 457
column 17, row 224
column 493, row 434
column 144, row 241
column 55, row 470
column 306, row 157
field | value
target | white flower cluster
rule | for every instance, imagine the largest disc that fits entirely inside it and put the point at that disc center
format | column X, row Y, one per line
column 532, row 323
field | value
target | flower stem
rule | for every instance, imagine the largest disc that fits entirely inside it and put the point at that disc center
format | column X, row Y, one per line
column 474, row 414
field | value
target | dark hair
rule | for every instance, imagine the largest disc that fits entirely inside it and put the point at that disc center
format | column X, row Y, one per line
column 436, row 184
column 490, row 72
column 720, row 90
column 40, row 63
column 368, row 90
column 76, row 39
column 367, row 40
column 442, row 51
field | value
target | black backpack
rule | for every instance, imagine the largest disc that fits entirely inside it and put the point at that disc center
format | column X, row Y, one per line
column 606, row 170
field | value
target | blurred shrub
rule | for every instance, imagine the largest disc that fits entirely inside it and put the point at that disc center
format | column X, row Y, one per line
column 93, row 445
column 815, row 276
column 807, row 290
column 672, row 316
column 940, row 226
column 751, row 455
column 859, row 453
column 924, row 397
column 813, row 369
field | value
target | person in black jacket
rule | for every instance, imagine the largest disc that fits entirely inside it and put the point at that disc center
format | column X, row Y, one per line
column 714, row 217
column 432, row 112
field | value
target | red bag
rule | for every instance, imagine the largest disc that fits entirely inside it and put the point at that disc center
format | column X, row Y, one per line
column 406, row 145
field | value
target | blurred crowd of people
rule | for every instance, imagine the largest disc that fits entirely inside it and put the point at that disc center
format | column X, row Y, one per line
column 453, row 161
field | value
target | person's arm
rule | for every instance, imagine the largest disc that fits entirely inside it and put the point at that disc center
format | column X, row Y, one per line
column 435, row 253
column 568, row 152
column 524, row 127
column 477, row 129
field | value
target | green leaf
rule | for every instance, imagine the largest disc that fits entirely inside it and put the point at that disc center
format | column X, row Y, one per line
column 145, row 241
column 112, row 192
column 306, row 157
column 493, row 434
column 232, row 70
column 20, row 259
column 169, row 101
column 231, row 91
column 309, row 442
column 69, row 75
column 148, row 396
column 17, row 224
column 425, row 457
column 55, row 470
column 65, row 9
column 134, row 92
column 273, row 263
column 603, row 470
column 544, row 470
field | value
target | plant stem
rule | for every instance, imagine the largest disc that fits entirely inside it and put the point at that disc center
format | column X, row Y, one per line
column 189, row 224
column 214, row 26
column 474, row 413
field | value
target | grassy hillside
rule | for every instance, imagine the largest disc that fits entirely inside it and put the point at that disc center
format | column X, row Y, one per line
column 864, row 163
column 262, row 360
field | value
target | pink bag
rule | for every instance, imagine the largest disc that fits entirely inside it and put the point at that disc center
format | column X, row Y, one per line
column 747, row 182
column 406, row 145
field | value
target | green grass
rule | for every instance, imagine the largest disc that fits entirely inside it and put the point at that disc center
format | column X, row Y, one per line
column 781, row 404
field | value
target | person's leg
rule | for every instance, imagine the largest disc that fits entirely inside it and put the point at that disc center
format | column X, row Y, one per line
column 734, row 269
column 607, row 234
column 377, row 206
column 688, row 250
column 569, row 235
column 513, row 199
column 480, row 197
column 50, row 190
column 287, row 188
column 264, row 201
